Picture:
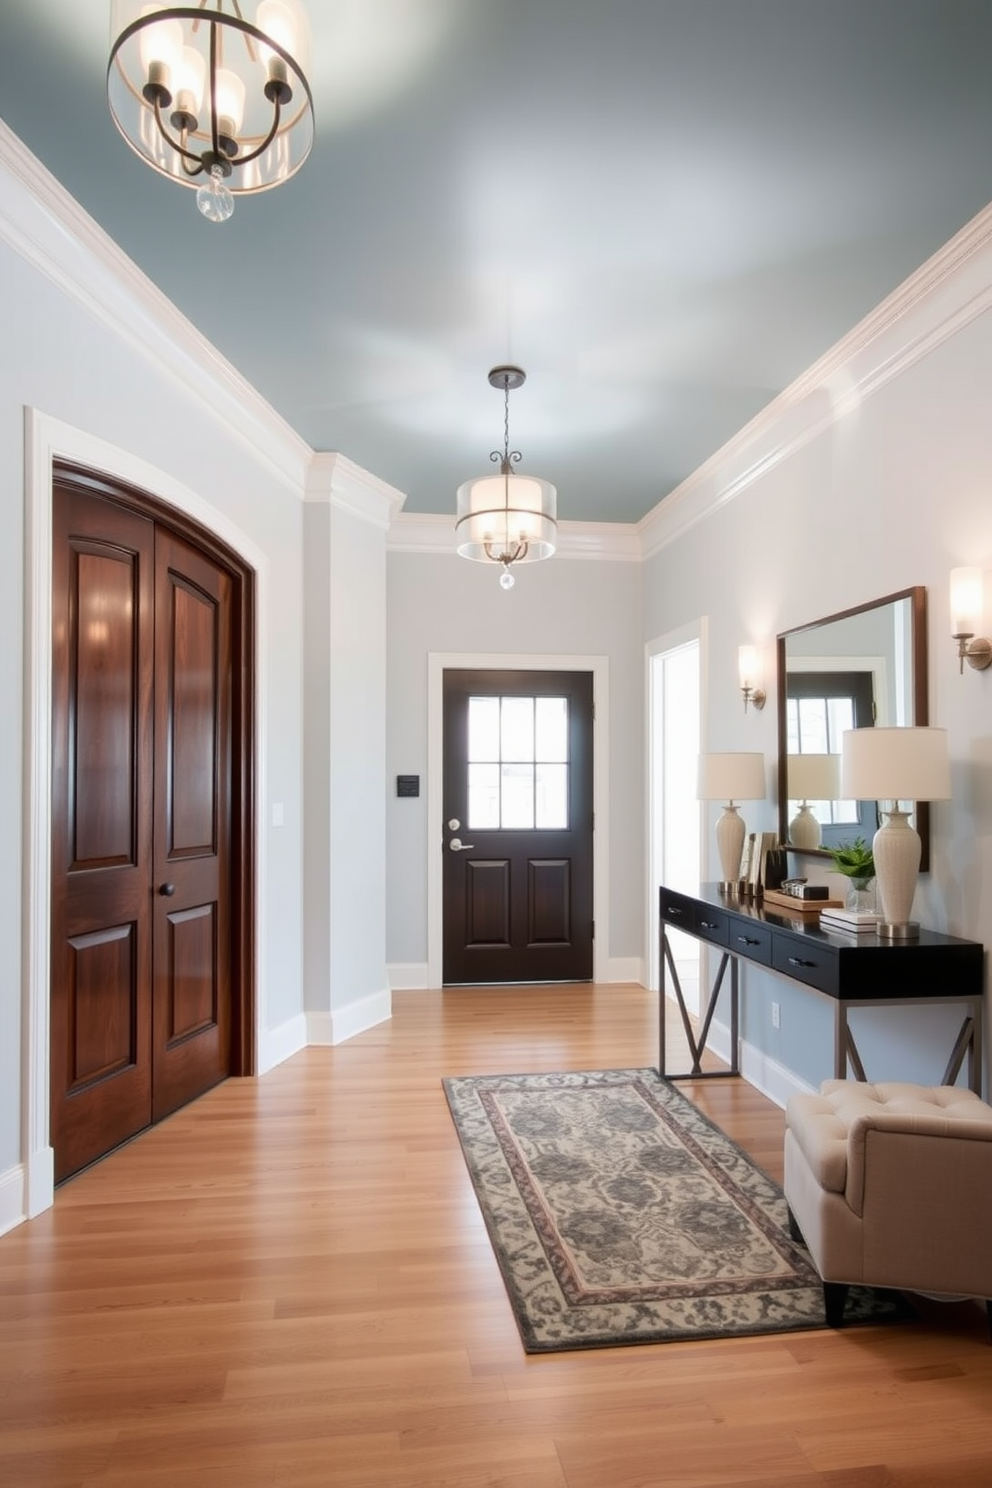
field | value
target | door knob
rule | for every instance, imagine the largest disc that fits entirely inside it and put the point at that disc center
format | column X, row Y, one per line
column 167, row 890
column 457, row 845
column 454, row 823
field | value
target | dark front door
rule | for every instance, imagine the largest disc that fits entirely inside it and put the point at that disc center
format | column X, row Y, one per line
column 518, row 827
column 141, row 825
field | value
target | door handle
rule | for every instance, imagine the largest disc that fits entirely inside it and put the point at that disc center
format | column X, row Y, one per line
column 457, row 845
column 167, row 890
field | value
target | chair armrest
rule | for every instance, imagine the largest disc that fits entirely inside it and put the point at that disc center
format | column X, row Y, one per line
column 897, row 1125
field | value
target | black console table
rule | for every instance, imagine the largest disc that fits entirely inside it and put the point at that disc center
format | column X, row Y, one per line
column 862, row 972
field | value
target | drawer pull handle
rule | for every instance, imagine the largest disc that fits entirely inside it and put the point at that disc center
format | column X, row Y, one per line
column 670, row 909
column 748, row 940
column 798, row 961
column 709, row 925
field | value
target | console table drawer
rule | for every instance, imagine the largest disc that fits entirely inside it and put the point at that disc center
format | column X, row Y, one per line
column 679, row 911
column 816, row 965
column 751, row 940
column 711, row 924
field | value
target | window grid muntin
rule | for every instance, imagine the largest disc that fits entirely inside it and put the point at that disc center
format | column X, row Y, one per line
column 518, row 766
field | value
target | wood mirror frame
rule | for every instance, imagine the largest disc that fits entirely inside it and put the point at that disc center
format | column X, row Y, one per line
column 919, row 688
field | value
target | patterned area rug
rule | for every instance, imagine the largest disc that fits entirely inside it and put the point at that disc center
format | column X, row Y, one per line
column 620, row 1214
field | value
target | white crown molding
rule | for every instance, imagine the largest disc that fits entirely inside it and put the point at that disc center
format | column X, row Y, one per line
column 943, row 296
column 48, row 228
column 429, row 532
column 334, row 480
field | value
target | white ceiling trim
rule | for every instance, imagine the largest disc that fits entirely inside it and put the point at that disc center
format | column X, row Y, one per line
column 945, row 294
column 48, row 228
column 433, row 532
column 336, row 481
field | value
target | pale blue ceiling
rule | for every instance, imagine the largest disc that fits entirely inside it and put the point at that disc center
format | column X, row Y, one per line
column 664, row 210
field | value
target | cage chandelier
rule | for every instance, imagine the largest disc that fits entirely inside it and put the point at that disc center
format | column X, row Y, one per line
column 506, row 518
column 210, row 99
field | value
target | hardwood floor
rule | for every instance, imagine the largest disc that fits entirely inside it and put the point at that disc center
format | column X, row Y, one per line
column 288, row 1285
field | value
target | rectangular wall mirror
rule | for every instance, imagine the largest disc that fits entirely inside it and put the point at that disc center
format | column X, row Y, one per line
column 861, row 667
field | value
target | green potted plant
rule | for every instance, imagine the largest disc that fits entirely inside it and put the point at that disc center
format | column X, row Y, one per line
column 857, row 863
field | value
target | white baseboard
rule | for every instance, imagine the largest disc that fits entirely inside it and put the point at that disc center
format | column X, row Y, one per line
column 280, row 1044
column 626, row 969
column 332, row 1028
column 770, row 1077
column 408, row 976
column 13, row 1209
column 758, row 1068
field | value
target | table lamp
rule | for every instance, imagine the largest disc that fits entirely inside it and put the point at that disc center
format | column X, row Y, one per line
column 730, row 778
column 812, row 777
column 896, row 764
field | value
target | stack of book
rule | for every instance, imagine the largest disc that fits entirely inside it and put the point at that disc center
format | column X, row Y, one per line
column 849, row 921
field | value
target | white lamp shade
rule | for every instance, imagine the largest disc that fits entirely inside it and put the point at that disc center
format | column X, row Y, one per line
column 498, row 514
column 898, row 764
column 814, row 777
column 731, row 777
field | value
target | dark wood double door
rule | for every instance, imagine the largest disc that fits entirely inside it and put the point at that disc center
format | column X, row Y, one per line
column 141, row 1014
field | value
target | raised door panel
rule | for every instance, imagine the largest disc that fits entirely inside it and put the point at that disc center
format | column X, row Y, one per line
column 549, row 901
column 487, row 903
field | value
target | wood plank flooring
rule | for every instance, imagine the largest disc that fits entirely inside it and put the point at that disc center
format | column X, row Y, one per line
column 289, row 1285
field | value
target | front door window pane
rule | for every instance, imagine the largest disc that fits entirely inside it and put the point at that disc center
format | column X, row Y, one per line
column 483, row 797
column 483, row 729
column 551, row 730
column 517, row 783
column 551, row 797
column 517, row 729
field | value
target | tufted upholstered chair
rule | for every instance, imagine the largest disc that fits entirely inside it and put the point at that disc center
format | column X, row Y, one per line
column 891, row 1186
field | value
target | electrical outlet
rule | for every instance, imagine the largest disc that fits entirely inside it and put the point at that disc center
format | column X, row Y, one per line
column 776, row 1015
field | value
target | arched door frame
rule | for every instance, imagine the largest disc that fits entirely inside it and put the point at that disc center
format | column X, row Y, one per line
column 50, row 444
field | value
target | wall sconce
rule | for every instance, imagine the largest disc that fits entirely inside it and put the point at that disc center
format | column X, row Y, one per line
column 966, row 616
column 895, row 765
column 731, row 778
column 749, row 671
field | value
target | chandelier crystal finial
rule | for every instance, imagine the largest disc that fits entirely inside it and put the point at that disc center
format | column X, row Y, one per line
column 209, row 99
column 506, row 518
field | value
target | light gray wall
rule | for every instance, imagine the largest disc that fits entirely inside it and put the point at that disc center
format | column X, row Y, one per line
column 895, row 494
column 443, row 603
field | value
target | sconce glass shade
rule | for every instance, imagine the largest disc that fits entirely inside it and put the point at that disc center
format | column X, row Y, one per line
column 506, row 518
column 205, row 97
column 812, row 777
column 896, row 764
column 747, row 666
column 966, row 601
column 730, row 778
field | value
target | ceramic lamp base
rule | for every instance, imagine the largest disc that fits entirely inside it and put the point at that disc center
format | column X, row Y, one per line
column 730, row 844
column 804, row 829
column 896, row 850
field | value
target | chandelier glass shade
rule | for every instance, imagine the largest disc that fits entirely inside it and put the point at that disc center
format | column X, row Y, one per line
column 210, row 99
column 506, row 518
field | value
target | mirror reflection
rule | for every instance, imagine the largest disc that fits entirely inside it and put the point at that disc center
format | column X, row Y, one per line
column 857, row 669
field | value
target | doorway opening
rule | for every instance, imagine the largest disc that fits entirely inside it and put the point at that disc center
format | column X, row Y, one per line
column 674, row 812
